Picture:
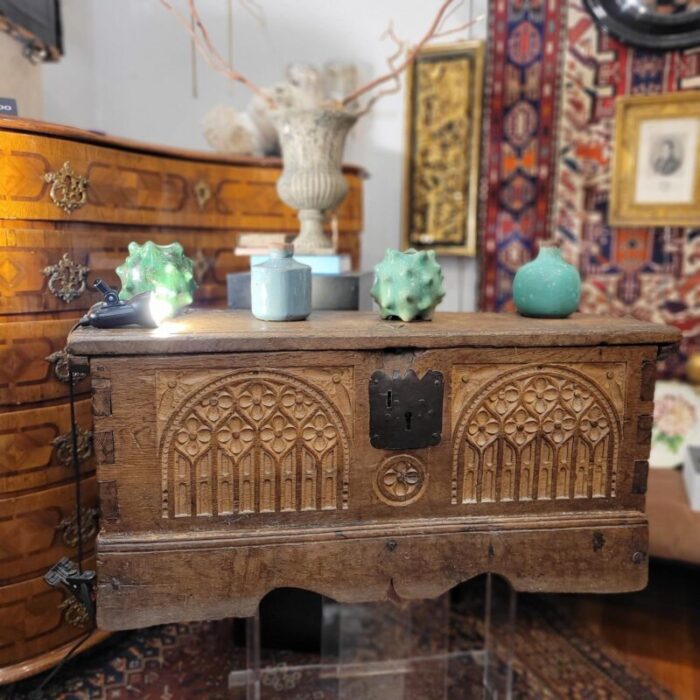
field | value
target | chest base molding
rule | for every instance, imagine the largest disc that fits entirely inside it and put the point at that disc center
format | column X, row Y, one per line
column 414, row 559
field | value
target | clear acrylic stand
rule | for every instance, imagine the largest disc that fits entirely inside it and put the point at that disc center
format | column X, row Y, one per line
column 422, row 650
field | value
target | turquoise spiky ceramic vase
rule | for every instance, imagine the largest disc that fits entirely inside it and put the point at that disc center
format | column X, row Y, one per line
column 408, row 285
column 548, row 286
column 164, row 270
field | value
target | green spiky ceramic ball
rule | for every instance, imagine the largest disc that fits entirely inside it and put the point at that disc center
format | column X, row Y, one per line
column 162, row 269
column 408, row 285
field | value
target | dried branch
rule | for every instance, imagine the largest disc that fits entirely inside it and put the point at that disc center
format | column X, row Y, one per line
column 398, row 61
column 207, row 49
column 435, row 31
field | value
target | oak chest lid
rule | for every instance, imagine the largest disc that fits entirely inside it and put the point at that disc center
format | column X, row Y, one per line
column 220, row 331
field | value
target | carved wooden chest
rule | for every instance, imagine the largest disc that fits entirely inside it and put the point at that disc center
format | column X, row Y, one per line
column 365, row 459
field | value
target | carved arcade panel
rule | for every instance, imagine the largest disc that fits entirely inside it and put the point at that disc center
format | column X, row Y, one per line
column 536, row 432
column 254, row 441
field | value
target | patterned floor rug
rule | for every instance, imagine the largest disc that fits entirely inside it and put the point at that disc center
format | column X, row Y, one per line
column 553, row 659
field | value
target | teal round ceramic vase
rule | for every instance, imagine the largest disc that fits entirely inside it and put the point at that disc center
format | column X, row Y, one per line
column 548, row 286
column 280, row 287
column 408, row 285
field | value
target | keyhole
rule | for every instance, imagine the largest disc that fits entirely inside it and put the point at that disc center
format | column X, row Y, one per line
column 408, row 415
column 388, row 399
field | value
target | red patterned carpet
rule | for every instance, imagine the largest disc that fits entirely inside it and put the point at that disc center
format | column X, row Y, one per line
column 554, row 659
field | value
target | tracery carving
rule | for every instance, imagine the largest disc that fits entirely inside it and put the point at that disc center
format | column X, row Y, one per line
column 536, row 433
column 253, row 442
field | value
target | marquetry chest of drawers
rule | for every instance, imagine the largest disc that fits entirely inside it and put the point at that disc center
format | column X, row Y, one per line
column 70, row 203
column 366, row 459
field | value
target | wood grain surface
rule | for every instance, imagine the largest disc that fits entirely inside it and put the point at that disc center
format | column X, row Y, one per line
column 215, row 331
column 257, row 468
column 49, row 255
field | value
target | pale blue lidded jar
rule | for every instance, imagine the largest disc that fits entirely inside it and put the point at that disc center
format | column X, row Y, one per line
column 280, row 287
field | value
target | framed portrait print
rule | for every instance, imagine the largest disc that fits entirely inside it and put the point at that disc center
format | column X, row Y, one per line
column 443, row 134
column 656, row 161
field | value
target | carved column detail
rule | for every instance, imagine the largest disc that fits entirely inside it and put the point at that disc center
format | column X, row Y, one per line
column 537, row 433
column 255, row 442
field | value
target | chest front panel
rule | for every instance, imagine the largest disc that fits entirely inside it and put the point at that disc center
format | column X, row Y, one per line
column 237, row 442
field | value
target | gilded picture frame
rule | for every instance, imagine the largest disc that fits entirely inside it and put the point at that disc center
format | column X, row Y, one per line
column 444, row 95
column 656, row 161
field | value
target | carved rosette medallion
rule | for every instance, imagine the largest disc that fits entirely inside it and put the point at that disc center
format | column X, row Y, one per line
column 537, row 433
column 67, row 279
column 254, row 442
column 68, row 190
column 400, row 480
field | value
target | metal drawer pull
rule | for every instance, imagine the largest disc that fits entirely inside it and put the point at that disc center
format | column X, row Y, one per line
column 68, row 190
column 64, row 447
column 59, row 360
column 74, row 612
column 67, row 278
column 69, row 527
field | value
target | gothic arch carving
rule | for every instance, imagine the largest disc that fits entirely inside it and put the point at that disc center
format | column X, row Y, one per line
column 254, row 442
column 538, row 433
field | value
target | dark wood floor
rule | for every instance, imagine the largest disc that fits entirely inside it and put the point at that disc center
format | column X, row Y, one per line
column 657, row 629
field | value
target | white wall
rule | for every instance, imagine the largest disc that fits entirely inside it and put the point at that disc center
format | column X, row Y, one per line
column 20, row 79
column 127, row 72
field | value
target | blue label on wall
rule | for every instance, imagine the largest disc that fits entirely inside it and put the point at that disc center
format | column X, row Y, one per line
column 8, row 107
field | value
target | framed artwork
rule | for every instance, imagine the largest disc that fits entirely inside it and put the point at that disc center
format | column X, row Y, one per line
column 656, row 161
column 676, row 423
column 650, row 24
column 443, row 137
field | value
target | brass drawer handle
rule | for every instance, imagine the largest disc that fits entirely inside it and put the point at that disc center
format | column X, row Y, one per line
column 88, row 525
column 59, row 360
column 74, row 612
column 67, row 278
column 64, row 447
column 68, row 190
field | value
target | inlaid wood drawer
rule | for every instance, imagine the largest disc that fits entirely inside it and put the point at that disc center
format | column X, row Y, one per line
column 122, row 187
column 33, row 362
column 45, row 269
column 38, row 528
column 363, row 459
column 36, row 618
column 36, row 448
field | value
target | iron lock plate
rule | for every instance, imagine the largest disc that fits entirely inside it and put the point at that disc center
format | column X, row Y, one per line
column 405, row 413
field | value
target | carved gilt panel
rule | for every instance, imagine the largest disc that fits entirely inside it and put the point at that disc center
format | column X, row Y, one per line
column 536, row 432
column 254, row 441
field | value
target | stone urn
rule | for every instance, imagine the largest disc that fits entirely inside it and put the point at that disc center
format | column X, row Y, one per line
column 312, row 142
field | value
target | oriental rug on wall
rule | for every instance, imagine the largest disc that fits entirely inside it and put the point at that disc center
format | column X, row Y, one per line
column 548, row 173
